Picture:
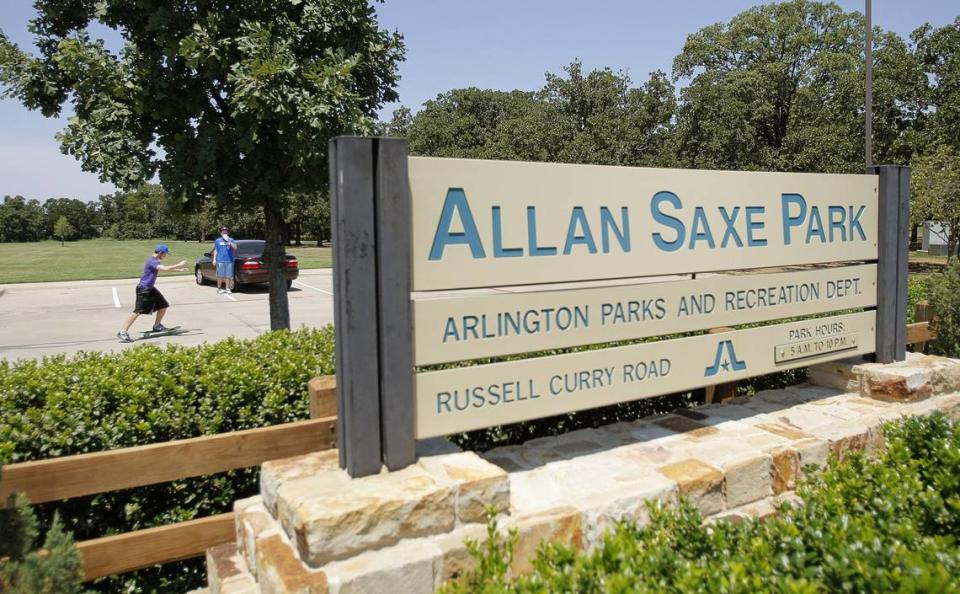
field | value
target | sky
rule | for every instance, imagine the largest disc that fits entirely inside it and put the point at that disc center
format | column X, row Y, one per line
column 493, row 44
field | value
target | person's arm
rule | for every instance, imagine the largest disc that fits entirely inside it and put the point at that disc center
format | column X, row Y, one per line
column 178, row 267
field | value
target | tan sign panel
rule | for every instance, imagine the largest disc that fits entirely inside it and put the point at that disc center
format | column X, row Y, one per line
column 468, row 398
column 455, row 328
column 496, row 223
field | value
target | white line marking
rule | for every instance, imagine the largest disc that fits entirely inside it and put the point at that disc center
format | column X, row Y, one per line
column 116, row 298
column 229, row 296
column 296, row 282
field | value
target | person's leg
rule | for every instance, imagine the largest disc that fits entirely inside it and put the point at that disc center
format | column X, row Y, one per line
column 159, row 305
column 130, row 320
column 229, row 279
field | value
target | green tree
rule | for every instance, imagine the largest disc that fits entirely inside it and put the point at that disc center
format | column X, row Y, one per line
column 936, row 193
column 596, row 117
column 63, row 230
column 780, row 87
column 601, row 119
column 84, row 217
column 25, row 571
column 240, row 99
column 21, row 220
column 463, row 123
column 399, row 124
column 938, row 50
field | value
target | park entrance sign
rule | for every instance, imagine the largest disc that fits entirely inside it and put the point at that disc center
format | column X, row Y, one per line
column 456, row 282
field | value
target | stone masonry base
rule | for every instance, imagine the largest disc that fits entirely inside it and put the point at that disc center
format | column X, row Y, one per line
column 313, row 530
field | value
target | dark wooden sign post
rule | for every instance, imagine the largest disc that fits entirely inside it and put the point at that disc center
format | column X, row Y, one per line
column 370, row 214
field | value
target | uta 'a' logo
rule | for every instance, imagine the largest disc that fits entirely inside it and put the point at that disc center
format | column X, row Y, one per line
column 725, row 360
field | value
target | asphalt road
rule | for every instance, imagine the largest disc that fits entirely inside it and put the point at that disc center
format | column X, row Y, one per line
column 38, row 319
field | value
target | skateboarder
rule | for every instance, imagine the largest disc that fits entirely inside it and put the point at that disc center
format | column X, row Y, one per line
column 149, row 299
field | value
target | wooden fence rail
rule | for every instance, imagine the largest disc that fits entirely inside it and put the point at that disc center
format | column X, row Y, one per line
column 130, row 551
column 919, row 333
column 111, row 470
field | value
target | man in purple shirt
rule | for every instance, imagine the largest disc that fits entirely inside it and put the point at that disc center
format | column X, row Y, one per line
column 149, row 299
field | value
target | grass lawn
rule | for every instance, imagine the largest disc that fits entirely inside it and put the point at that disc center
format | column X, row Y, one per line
column 95, row 259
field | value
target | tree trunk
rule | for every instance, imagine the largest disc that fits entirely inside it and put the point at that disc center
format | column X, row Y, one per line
column 953, row 239
column 276, row 266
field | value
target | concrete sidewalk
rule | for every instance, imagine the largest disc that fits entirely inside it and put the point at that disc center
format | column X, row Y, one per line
column 38, row 319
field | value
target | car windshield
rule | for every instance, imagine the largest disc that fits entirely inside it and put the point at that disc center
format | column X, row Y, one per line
column 250, row 249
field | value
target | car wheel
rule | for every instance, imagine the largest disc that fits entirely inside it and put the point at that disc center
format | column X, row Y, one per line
column 198, row 276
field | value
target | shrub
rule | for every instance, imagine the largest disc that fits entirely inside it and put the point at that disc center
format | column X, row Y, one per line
column 24, row 570
column 889, row 525
column 945, row 298
column 94, row 401
column 918, row 289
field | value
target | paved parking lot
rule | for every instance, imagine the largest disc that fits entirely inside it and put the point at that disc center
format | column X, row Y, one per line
column 39, row 319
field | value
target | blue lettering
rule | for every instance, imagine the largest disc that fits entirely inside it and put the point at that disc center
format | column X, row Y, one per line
column 456, row 200
column 837, row 223
column 578, row 218
column 443, row 400
column 698, row 234
column 667, row 221
column 498, row 250
column 451, row 330
column 754, row 225
column 815, row 225
column 792, row 221
column 536, row 250
column 855, row 223
column 470, row 326
column 622, row 232
column 729, row 220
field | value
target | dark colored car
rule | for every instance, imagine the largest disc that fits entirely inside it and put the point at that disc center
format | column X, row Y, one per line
column 248, row 266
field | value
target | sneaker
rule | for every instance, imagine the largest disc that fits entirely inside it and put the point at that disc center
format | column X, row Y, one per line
column 221, row 291
column 124, row 336
column 227, row 291
column 159, row 328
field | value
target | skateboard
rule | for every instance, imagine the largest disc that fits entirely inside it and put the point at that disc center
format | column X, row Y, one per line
column 167, row 332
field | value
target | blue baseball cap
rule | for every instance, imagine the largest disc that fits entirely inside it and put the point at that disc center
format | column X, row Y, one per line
column 161, row 249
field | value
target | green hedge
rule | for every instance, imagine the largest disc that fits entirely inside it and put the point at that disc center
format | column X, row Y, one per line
column 94, row 402
column 889, row 525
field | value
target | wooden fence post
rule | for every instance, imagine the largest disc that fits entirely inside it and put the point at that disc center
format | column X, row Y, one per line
column 893, row 240
column 924, row 313
column 323, row 396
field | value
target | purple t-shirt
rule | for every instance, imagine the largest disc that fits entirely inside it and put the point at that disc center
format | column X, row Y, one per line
column 149, row 276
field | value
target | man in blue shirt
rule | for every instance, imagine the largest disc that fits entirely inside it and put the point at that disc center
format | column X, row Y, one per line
column 224, row 249
column 149, row 299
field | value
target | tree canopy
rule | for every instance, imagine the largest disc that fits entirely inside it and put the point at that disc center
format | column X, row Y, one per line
column 778, row 87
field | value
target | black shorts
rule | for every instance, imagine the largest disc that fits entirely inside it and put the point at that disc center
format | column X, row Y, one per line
column 149, row 301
